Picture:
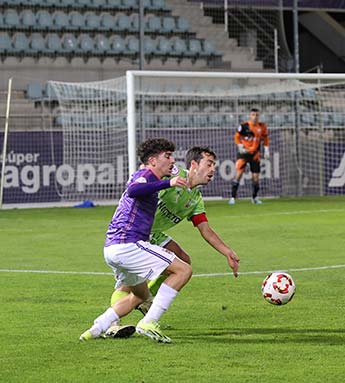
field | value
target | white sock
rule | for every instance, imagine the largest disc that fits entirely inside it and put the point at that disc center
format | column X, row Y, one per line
column 103, row 322
column 161, row 303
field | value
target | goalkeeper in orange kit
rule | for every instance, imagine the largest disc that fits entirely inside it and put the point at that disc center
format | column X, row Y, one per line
column 248, row 138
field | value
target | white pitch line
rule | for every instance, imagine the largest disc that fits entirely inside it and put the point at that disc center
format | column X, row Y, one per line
column 194, row 275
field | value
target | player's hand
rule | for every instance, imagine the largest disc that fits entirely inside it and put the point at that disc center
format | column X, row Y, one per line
column 242, row 149
column 266, row 153
column 234, row 262
column 178, row 181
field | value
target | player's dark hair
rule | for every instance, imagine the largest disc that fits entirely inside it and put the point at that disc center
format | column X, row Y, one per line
column 196, row 153
column 153, row 147
column 256, row 110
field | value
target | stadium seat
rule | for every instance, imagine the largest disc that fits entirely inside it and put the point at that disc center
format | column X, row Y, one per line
column 164, row 46
column 129, row 4
column 27, row 18
column 101, row 43
column 98, row 4
column 150, row 45
column 69, row 43
column 107, row 22
column 36, row 43
column 77, row 20
column 53, row 43
column 168, row 24
column 123, row 22
column 195, row 48
column 132, row 44
column 11, row 19
column 85, row 43
column 153, row 23
column 5, row 43
column 83, row 3
column 92, row 21
column 50, row 3
column 44, row 20
column 67, row 3
column 1, row 20
column 208, row 48
column 179, row 47
column 60, row 20
column 159, row 5
column 182, row 25
column 20, row 43
column 34, row 91
column 117, row 44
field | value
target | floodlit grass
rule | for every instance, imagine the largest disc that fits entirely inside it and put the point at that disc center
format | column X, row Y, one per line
column 222, row 329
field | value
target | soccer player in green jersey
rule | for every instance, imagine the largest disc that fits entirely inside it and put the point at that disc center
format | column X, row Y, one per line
column 175, row 205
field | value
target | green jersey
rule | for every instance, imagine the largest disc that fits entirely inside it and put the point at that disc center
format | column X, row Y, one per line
column 174, row 205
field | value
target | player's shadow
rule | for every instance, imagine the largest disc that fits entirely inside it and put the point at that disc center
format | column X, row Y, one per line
column 268, row 335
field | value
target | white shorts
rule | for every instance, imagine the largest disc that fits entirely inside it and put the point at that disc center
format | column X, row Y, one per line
column 133, row 263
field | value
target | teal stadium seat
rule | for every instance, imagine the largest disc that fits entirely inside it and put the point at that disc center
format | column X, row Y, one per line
column 85, row 44
column 44, row 20
column 83, row 3
column 208, row 49
column 153, row 23
column 98, row 4
column 20, row 43
column 150, row 45
column 123, row 22
column 28, row 18
column 77, row 20
column 51, row 3
column 179, row 47
column 195, row 48
column 129, row 4
column 69, row 43
column 36, row 43
column 168, row 24
column 53, row 43
column 159, row 5
column 11, row 19
column 132, row 44
column 5, row 43
column 34, row 91
column 1, row 20
column 182, row 25
column 67, row 3
column 107, row 22
column 61, row 20
column 117, row 45
column 164, row 46
column 102, row 45
column 92, row 21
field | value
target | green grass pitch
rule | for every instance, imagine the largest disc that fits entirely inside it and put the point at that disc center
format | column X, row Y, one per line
column 221, row 327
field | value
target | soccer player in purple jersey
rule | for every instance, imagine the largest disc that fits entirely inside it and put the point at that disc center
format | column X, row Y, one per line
column 129, row 253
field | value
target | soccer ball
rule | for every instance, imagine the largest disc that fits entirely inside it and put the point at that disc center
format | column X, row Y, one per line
column 278, row 288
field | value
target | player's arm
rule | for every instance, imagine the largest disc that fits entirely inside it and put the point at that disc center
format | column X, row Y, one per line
column 216, row 242
column 141, row 187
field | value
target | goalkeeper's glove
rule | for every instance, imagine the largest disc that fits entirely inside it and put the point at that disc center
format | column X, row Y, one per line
column 266, row 153
column 242, row 149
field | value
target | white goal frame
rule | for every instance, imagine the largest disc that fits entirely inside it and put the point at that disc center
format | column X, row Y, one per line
column 132, row 75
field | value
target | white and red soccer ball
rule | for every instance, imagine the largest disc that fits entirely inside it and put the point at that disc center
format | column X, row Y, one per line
column 278, row 288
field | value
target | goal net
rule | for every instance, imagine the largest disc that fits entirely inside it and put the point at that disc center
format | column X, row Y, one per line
column 97, row 126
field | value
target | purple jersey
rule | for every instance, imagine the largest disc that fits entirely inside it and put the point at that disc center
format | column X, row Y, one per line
column 134, row 215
